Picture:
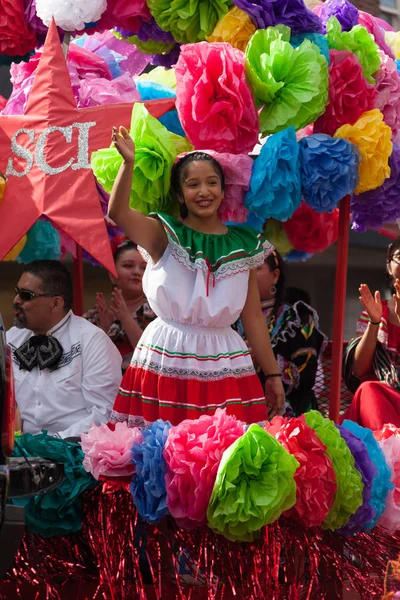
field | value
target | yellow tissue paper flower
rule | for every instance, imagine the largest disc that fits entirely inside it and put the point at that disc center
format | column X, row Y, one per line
column 372, row 136
column 274, row 232
column 235, row 27
column 16, row 250
column 162, row 76
column 392, row 38
column 3, row 184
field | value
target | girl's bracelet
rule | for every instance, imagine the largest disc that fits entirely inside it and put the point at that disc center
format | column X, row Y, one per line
column 374, row 322
column 270, row 375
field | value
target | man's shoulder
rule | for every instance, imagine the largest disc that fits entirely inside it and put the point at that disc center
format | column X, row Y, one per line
column 88, row 331
column 16, row 336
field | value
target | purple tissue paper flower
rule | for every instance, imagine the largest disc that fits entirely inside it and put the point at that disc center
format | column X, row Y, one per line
column 293, row 13
column 345, row 12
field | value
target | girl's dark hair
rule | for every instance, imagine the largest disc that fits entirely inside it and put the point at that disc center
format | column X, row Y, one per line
column 391, row 251
column 179, row 172
column 121, row 244
column 275, row 261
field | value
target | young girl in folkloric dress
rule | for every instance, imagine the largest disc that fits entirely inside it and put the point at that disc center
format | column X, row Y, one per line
column 200, row 278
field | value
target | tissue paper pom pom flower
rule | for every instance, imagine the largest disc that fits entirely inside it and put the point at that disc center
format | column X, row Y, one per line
column 381, row 483
column 95, row 91
column 214, row 102
column 315, row 478
column 60, row 511
column 155, row 152
column 275, row 183
column 373, row 27
column 390, row 446
column 316, row 38
column 276, row 235
column 193, row 452
column 292, row 13
column 345, row 12
column 297, row 256
column 392, row 38
column 127, row 14
column 350, row 94
column 150, row 90
column 358, row 41
column 388, row 87
column 188, row 22
column 148, row 486
column 291, row 84
column 372, row 137
column 254, row 485
column 382, row 205
column 17, row 39
column 349, row 492
column 329, row 170
column 161, row 76
column 43, row 242
column 108, row 452
column 235, row 28
column 368, row 471
column 310, row 231
column 146, row 47
column 70, row 15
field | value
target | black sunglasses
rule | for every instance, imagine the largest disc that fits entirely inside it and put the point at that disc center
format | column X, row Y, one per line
column 28, row 295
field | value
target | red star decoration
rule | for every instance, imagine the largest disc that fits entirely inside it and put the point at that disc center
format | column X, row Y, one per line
column 68, row 197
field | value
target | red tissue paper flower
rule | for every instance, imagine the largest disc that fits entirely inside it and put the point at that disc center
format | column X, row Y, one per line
column 16, row 38
column 310, row 231
column 350, row 94
column 214, row 102
column 315, row 478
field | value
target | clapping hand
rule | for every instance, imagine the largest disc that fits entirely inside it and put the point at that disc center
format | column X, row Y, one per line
column 124, row 144
column 106, row 315
column 118, row 306
column 372, row 304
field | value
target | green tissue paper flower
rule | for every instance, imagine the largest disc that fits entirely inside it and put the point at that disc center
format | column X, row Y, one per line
column 60, row 511
column 151, row 47
column 189, row 21
column 254, row 485
column 155, row 152
column 358, row 41
column 349, row 494
column 291, row 84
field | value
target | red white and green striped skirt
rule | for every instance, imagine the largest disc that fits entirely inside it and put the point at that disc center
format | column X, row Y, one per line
column 181, row 371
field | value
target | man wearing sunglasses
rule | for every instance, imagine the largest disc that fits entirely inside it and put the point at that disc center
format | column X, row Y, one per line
column 66, row 370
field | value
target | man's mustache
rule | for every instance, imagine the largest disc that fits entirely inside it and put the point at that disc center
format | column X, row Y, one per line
column 19, row 308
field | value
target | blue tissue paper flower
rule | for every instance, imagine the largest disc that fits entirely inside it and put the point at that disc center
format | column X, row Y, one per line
column 329, row 170
column 275, row 182
column 148, row 484
column 149, row 90
column 43, row 242
column 317, row 39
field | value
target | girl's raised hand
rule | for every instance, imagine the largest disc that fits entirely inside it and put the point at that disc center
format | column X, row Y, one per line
column 124, row 144
column 372, row 304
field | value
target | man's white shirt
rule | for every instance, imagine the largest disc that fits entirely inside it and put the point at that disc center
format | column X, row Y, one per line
column 80, row 391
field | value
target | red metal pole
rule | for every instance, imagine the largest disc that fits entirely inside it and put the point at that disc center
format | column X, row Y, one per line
column 78, row 282
column 339, row 308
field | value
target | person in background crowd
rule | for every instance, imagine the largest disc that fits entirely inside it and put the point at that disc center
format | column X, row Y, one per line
column 372, row 359
column 66, row 370
column 296, row 339
column 129, row 313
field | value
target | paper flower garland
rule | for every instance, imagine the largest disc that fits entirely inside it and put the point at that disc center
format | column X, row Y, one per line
column 291, row 84
column 368, row 471
column 309, row 231
column 329, row 171
column 358, row 41
column 193, row 452
column 382, row 205
column 188, row 22
column 381, row 483
column 345, row 12
column 148, row 484
column 350, row 94
column 315, row 478
column 254, row 485
column 372, row 137
column 275, row 182
column 155, row 152
column 292, row 13
column 17, row 39
column 235, row 28
column 107, row 451
column 70, row 15
column 389, row 441
column 348, row 496
column 214, row 102
column 59, row 511
column 274, row 232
